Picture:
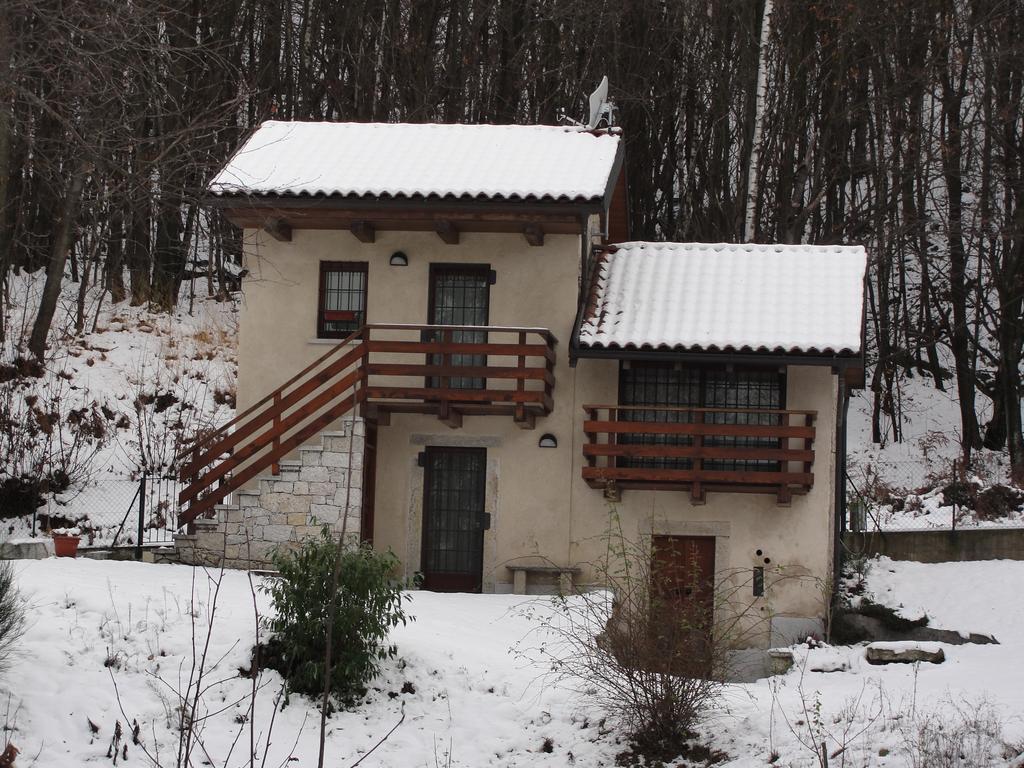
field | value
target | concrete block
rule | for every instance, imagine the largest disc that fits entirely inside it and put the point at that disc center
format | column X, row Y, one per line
column 343, row 477
column 285, row 503
column 310, row 457
column 276, row 533
column 325, row 513
column 354, row 497
column 314, row 474
column 904, row 653
column 334, row 459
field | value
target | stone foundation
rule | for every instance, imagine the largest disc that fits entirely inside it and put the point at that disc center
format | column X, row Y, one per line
column 323, row 486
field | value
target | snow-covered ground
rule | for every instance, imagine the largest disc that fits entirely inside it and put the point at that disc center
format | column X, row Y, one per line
column 112, row 642
column 879, row 712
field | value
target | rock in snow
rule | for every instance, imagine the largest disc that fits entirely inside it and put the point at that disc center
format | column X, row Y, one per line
column 904, row 653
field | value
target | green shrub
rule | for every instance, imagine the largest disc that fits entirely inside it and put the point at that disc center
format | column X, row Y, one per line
column 368, row 605
column 12, row 614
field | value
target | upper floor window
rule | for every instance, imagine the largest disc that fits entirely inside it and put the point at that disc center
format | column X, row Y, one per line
column 342, row 307
column 713, row 395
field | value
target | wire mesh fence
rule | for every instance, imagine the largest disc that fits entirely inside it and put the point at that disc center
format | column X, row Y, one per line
column 107, row 512
column 956, row 499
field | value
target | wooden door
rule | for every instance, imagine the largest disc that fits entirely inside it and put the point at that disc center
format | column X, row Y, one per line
column 453, row 519
column 683, row 600
column 460, row 294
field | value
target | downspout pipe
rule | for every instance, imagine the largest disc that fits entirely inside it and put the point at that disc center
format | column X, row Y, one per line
column 842, row 412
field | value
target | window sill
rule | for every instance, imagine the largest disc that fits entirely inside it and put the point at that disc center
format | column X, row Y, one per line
column 324, row 341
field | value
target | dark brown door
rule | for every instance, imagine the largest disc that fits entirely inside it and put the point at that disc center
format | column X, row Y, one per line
column 453, row 519
column 460, row 294
column 683, row 599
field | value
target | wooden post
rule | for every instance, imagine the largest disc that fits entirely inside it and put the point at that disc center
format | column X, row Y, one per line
column 591, row 415
column 808, row 441
column 444, row 406
column 520, row 410
column 697, row 489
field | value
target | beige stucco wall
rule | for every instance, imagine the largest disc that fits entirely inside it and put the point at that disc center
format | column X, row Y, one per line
column 541, row 508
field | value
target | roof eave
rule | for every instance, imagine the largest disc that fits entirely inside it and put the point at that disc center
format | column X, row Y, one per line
column 725, row 356
column 577, row 207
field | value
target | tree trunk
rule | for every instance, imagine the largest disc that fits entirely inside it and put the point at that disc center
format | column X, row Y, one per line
column 63, row 241
column 137, row 253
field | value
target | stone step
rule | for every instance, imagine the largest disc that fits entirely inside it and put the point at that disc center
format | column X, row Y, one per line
column 94, row 554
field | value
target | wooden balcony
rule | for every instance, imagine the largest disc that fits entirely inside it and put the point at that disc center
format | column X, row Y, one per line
column 456, row 370
column 699, row 449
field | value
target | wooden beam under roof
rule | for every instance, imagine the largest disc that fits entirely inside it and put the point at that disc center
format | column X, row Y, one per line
column 447, row 231
column 363, row 230
column 278, row 229
column 534, row 234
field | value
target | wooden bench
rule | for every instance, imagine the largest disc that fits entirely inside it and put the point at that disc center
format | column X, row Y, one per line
column 565, row 576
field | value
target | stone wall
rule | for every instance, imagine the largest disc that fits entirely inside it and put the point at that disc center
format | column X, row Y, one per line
column 940, row 546
column 323, row 486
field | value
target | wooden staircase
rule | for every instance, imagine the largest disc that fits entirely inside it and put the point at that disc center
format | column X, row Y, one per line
column 454, row 371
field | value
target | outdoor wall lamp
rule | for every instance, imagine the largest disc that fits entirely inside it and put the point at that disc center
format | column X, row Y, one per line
column 399, row 259
column 547, row 440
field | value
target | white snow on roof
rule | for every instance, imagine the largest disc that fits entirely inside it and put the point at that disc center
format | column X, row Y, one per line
column 778, row 298
column 399, row 159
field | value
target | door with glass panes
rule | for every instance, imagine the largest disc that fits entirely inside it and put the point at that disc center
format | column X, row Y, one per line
column 453, row 519
column 460, row 295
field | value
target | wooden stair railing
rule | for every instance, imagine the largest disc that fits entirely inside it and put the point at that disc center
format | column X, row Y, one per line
column 327, row 389
column 260, row 436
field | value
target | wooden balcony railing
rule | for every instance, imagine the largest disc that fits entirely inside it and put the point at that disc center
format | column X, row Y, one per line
column 700, row 449
column 443, row 370
column 456, row 370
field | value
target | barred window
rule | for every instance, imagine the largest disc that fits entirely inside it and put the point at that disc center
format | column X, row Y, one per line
column 342, row 307
column 676, row 386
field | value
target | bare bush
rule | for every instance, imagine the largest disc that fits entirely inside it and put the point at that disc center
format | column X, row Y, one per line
column 46, row 447
column 12, row 614
column 651, row 664
column 956, row 734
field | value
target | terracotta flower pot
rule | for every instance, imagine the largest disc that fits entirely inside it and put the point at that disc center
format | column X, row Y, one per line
column 65, row 546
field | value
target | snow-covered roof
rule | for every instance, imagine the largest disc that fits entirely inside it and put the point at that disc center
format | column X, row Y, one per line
column 421, row 160
column 802, row 299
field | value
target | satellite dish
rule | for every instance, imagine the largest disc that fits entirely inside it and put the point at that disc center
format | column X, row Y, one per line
column 598, row 102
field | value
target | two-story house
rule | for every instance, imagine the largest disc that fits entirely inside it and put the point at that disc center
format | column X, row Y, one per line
column 442, row 351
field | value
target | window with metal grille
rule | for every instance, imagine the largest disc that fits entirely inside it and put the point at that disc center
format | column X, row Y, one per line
column 742, row 389
column 656, row 384
column 460, row 295
column 677, row 386
column 342, row 307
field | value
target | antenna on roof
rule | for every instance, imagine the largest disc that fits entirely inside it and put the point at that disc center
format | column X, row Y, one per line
column 600, row 107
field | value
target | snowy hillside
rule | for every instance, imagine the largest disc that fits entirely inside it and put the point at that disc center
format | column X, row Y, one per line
column 113, row 402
